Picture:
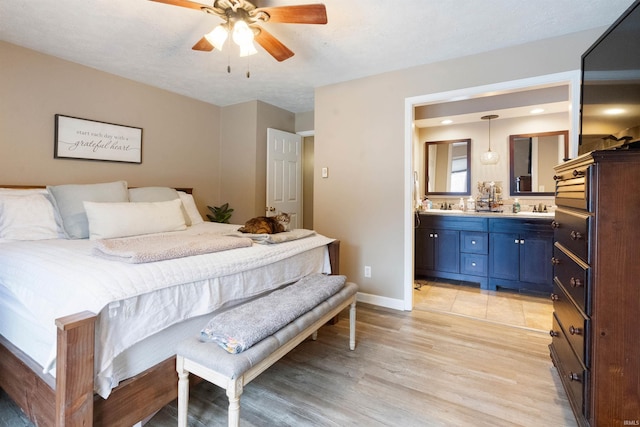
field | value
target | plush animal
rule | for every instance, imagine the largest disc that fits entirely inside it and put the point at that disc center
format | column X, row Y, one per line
column 267, row 224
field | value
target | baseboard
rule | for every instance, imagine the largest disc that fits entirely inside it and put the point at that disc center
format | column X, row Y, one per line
column 396, row 304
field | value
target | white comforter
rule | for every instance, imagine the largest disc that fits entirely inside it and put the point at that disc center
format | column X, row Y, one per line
column 55, row 278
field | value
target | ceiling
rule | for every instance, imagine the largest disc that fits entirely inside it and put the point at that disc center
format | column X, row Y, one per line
column 151, row 42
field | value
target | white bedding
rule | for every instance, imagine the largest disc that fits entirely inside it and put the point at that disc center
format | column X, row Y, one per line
column 55, row 278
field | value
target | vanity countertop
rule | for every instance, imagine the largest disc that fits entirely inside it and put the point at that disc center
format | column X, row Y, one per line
column 505, row 214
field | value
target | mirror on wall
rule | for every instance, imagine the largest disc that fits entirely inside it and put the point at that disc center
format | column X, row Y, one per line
column 531, row 160
column 448, row 167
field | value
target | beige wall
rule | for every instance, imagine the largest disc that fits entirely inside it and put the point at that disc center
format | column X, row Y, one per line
column 219, row 152
column 243, row 167
column 180, row 140
column 360, row 134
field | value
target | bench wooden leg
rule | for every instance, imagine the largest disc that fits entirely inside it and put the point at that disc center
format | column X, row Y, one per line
column 352, row 326
column 314, row 336
column 234, row 390
column 183, row 392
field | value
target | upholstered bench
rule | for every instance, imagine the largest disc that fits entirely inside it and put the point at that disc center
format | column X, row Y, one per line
column 210, row 361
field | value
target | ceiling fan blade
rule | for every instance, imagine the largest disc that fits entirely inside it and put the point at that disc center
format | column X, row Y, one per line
column 203, row 45
column 182, row 3
column 300, row 14
column 272, row 45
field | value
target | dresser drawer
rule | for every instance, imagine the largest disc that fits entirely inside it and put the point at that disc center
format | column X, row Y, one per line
column 572, row 229
column 475, row 264
column 573, row 275
column 475, row 243
column 572, row 322
column 572, row 187
column 572, row 372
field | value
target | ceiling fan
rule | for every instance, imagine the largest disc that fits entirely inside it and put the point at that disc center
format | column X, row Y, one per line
column 241, row 19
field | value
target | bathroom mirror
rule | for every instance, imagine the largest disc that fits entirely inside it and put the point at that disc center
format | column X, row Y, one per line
column 531, row 160
column 447, row 167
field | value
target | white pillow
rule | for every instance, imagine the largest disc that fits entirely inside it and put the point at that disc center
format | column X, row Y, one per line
column 68, row 201
column 191, row 208
column 156, row 194
column 109, row 220
column 27, row 216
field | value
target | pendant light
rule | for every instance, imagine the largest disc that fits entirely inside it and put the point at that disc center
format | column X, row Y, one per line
column 489, row 157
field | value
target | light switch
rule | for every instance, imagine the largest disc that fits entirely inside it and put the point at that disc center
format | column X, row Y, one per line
column 325, row 172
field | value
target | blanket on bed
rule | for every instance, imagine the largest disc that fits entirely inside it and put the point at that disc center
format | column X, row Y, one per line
column 285, row 236
column 239, row 328
column 158, row 247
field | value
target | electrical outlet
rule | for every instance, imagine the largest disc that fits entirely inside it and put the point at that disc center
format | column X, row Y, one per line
column 367, row 271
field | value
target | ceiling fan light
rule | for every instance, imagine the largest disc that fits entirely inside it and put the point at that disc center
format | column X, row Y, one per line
column 217, row 37
column 248, row 49
column 242, row 34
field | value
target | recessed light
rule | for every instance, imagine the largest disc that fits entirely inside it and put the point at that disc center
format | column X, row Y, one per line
column 614, row 111
column 446, row 122
column 537, row 111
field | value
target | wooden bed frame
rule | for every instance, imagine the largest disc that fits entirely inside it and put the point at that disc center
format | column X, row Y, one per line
column 68, row 399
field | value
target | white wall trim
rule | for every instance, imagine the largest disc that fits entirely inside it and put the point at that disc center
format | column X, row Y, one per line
column 304, row 133
column 572, row 78
column 393, row 303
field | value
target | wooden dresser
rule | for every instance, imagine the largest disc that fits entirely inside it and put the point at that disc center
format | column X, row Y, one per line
column 596, row 323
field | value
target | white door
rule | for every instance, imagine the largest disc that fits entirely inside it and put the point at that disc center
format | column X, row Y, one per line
column 284, row 175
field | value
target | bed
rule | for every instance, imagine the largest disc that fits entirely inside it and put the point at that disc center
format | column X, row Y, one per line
column 86, row 339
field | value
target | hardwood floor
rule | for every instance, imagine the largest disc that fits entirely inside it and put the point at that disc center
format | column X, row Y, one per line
column 419, row 368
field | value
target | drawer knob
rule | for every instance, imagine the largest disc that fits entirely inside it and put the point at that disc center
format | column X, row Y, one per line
column 555, row 224
column 557, row 177
column 554, row 333
column 555, row 297
column 576, row 283
column 576, row 235
column 574, row 376
column 473, row 264
column 555, row 261
column 577, row 173
column 473, row 242
column 575, row 331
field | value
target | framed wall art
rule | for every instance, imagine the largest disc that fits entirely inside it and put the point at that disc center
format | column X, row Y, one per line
column 84, row 139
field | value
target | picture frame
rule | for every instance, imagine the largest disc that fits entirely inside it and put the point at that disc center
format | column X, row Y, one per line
column 84, row 139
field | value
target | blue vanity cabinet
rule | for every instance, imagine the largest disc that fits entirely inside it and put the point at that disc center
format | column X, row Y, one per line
column 453, row 247
column 520, row 254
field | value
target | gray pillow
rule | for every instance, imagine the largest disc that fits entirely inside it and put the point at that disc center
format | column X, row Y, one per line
column 157, row 194
column 68, row 200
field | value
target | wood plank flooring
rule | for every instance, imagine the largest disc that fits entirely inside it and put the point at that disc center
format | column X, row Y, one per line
column 409, row 369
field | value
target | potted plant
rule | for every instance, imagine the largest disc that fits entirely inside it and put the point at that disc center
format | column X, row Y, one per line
column 220, row 213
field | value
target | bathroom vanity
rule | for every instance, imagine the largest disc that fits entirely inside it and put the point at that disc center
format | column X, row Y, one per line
column 495, row 250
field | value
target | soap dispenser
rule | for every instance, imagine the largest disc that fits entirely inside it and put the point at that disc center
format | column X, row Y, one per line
column 516, row 206
column 461, row 204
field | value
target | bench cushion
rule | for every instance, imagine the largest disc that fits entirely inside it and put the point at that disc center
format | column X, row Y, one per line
column 211, row 355
column 239, row 328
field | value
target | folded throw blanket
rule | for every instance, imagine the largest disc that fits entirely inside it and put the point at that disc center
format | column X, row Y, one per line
column 239, row 328
column 158, row 247
column 285, row 236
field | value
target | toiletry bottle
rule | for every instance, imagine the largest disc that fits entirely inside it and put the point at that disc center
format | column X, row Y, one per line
column 516, row 206
column 471, row 204
column 461, row 204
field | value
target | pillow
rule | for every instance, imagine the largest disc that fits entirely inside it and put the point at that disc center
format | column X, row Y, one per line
column 156, row 194
column 191, row 208
column 109, row 220
column 27, row 216
column 68, row 200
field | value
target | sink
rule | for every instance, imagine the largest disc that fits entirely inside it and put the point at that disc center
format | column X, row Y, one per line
column 452, row 211
column 539, row 213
